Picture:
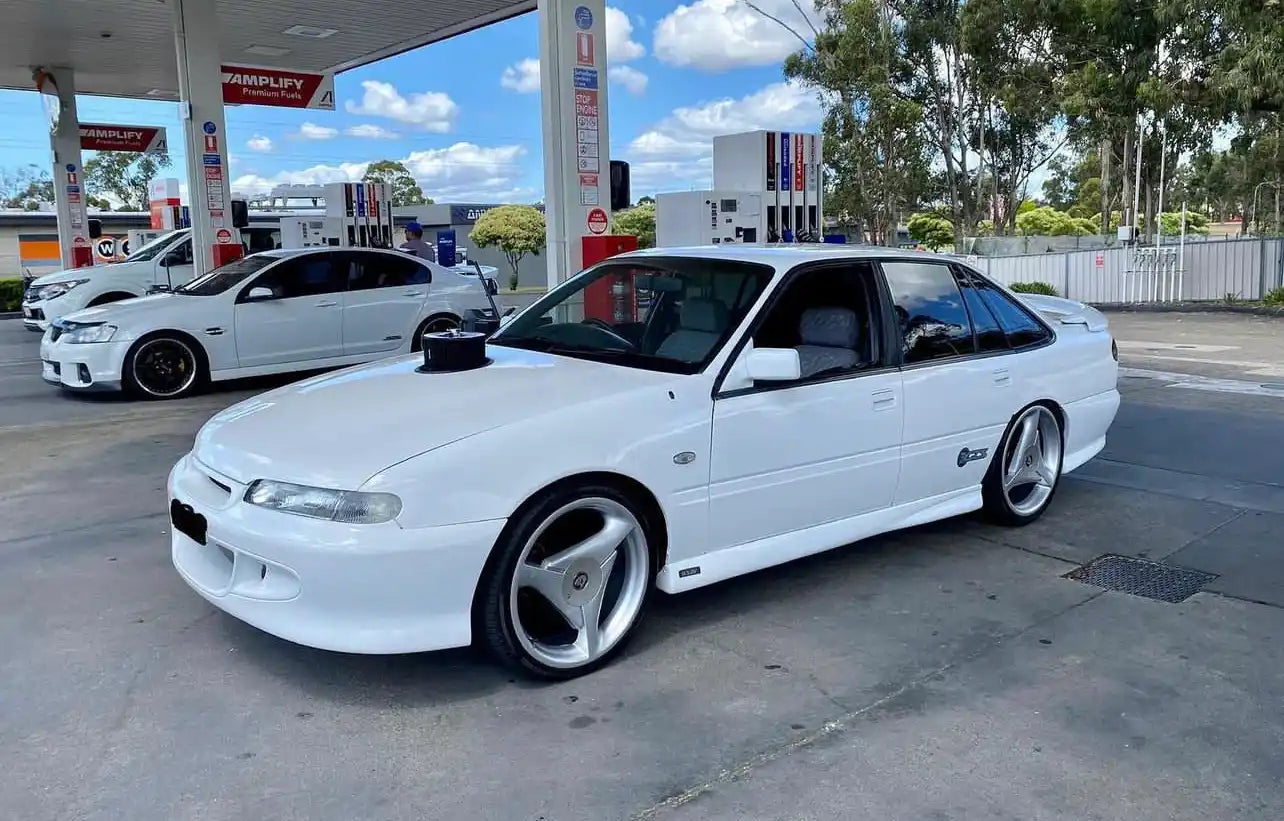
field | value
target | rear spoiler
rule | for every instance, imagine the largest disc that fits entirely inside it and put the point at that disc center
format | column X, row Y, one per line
column 1065, row 311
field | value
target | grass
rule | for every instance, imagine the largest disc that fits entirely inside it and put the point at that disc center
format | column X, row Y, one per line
column 1033, row 288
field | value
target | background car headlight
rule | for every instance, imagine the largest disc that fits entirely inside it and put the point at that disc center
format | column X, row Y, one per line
column 57, row 289
column 90, row 333
column 348, row 506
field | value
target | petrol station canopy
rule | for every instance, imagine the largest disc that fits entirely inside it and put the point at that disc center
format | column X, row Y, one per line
column 125, row 48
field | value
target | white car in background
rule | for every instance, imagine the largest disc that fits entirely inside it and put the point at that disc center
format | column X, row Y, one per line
column 270, row 312
column 164, row 262
column 766, row 403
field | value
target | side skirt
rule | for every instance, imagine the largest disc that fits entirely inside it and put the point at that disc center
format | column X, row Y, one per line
column 727, row 563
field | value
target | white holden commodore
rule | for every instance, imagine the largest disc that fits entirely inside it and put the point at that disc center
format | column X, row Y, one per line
column 668, row 418
column 272, row 312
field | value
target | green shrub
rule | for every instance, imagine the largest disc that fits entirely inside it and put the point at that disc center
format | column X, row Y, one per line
column 1034, row 288
column 10, row 294
column 1274, row 297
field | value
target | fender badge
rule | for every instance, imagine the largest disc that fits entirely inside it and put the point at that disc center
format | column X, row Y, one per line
column 967, row 455
column 686, row 457
column 688, row 571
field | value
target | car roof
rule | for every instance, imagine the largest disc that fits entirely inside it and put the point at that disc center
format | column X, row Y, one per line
column 787, row 256
column 282, row 253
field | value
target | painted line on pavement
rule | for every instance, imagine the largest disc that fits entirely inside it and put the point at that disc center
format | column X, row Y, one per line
column 1207, row 383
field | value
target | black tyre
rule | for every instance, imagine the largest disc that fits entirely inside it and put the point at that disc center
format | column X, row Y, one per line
column 1026, row 469
column 164, row 366
column 431, row 325
column 568, row 581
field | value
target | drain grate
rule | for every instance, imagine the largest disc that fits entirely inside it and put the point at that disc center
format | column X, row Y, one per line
column 1140, row 577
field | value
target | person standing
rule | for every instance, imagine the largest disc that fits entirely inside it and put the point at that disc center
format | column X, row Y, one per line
column 415, row 244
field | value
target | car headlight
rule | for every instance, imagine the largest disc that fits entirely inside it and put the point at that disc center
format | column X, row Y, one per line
column 90, row 333
column 348, row 506
column 57, row 289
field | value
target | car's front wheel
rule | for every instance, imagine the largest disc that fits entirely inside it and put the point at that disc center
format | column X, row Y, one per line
column 163, row 366
column 568, row 582
column 1024, row 474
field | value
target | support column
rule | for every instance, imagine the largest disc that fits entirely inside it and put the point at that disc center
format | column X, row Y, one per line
column 200, row 89
column 577, row 162
column 68, row 177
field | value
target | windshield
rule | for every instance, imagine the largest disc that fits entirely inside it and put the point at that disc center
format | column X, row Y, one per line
column 228, row 276
column 669, row 314
column 153, row 248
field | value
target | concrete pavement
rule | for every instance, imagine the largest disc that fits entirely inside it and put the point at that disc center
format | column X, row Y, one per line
column 949, row 672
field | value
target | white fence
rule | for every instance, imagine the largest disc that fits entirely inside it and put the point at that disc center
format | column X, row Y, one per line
column 1240, row 269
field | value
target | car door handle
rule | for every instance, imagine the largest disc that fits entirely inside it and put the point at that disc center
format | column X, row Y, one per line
column 327, row 304
column 884, row 399
column 1002, row 377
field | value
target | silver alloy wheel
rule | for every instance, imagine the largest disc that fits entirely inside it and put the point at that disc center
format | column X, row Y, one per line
column 1032, row 461
column 164, row 367
column 596, row 584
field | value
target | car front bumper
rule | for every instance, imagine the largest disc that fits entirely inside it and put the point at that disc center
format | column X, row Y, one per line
column 95, row 366
column 372, row 589
column 33, row 317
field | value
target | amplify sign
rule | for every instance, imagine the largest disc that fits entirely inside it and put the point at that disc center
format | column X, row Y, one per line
column 247, row 85
column 136, row 138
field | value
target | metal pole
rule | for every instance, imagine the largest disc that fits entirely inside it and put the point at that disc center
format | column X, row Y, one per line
column 1181, row 251
column 1136, row 187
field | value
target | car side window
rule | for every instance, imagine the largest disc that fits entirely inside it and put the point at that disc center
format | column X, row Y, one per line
column 928, row 303
column 989, row 335
column 830, row 316
column 1022, row 329
column 366, row 271
column 308, row 275
column 182, row 253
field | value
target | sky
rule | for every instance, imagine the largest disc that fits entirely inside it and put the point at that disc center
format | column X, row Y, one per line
column 464, row 114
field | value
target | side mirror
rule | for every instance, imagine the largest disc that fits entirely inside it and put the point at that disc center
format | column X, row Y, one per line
column 259, row 293
column 773, row 365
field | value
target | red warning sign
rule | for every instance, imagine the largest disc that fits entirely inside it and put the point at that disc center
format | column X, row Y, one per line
column 1101, row 260
column 224, row 236
column 583, row 48
column 597, row 221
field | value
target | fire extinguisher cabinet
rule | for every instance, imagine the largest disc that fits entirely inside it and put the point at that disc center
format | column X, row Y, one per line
column 610, row 299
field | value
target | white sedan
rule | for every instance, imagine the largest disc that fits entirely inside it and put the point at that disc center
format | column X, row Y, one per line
column 271, row 312
column 765, row 404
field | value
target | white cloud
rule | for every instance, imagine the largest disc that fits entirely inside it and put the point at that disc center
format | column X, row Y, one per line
column 461, row 172
column 312, row 131
column 630, row 78
column 522, row 77
column 717, row 35
column 259, row 143
column 431, row 110
column 370, row 131
column 677, row 152
column 620, row 46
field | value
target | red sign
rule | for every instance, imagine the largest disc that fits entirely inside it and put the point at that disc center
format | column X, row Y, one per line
column 800, row 168
column 583, row 48
column 246, row 85
column 1101, row 260
column 79, row 240
column 211, row 144
column 597, row 221
column 585, row 103
column 223, row 235
column 136, row 138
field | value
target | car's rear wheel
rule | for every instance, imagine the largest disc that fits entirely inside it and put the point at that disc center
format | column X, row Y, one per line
column 1025, row 473
column 568, row 583
column 432, row 325
column 163, row 367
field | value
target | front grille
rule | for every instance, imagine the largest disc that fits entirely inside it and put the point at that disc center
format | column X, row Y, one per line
column 1139, row 577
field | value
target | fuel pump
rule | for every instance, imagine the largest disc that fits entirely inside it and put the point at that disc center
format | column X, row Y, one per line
column 358, row 215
